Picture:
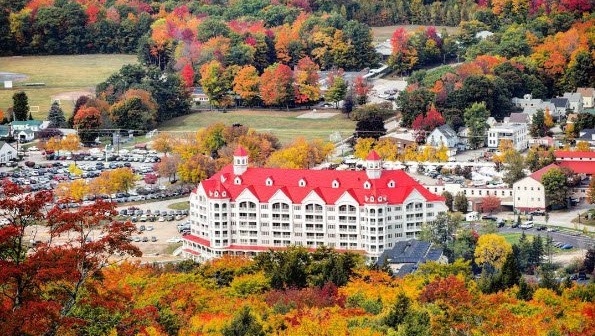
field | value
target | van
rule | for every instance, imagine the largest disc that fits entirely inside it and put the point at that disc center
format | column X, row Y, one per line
column 527, row 225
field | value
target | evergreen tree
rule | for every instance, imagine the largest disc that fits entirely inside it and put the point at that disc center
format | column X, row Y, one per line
column 399, row 311
column 20, row 106
column 536, row 251
column 243, row 324
column 448, row 199
column 538, row 127
column 548, row 278
column 56, row 116
column 525, row 292
column 30, row 117
column 511, row 273
column 461, row 203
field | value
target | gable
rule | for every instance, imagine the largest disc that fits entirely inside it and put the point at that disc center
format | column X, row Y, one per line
column 280, row 196
column 313, row 197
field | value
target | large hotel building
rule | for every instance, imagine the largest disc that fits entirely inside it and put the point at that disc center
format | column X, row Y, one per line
column 245, row 210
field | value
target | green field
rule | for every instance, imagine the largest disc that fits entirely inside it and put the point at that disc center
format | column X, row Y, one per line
column 382, row 34
column 65, row 77
column 285, row 125
column 513, row 238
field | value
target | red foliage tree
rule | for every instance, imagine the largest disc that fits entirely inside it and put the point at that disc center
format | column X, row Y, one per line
column 422, row 125
column 276, row 85
column 490, row 203
column 41, row 281
column 87, row 118
column 361, row 88
column 188, row 75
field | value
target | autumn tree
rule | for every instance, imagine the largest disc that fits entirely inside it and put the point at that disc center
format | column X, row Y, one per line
column 363, row 146
column 43, row 282
column 20, row 106
column 492, row 250
column 56, row 116
column 215, row 83
column 246, row 83
column 423, row 125
column 404, row 57
column 136, row 109
column 276, row 85
column 75, row 190
column 187, row 75
column 301, row 154
column 361, row 88
column 583, row 146
column 490, row 203
column 337, row 87
column 306, row 81
column 85, row 121
column 591, row 192
column 387, row 149
column 196, row 168
column 164, row 142
column 168, row 166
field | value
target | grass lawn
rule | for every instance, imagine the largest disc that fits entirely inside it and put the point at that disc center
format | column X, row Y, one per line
column 185, row 205
column 63, row 76
column 513, row 238
column 284, row 124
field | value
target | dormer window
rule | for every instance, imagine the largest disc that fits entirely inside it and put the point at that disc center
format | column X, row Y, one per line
column 223, row 179
column 391, row 184
column 367, row 185
column 237, row 181
column 269, row 182
column 224, row 194
column 302, row 183
column 335, row 184
column 216, row 194
column 371, row 198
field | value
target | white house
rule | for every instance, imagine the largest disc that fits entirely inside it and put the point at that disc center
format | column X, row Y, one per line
column 515, row 132
column 529, row 193
column 25, row 130
column 7, row 152
column 561, row 105
column 443, row 135
column 245, row 210
column 588, row 95
column 575, row 101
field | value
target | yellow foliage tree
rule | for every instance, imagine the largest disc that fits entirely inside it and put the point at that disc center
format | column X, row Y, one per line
column 569, row 131
column 442, row 154
column 411, row 152
column 122, row 178
column 75, row 190
column 74, row 169
column 387, row 149
column 505, row 149
column 163, row 143
column 301, row 154
column 53, row 144
column 583, row 146
column 70, row 143
column 196, row 169
column 362, row 147
column 492, row 249
column 548, row 120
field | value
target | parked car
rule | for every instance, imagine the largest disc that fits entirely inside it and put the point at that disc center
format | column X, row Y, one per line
column 153, row 239
column 174, row 240
column 145, row 239
column 527, row 225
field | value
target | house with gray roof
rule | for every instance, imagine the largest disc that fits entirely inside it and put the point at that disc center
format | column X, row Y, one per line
column 575, row 101
column 561, row 105
column 587, row 135
column 406, row 256
column 519, row 118
column 444, row 135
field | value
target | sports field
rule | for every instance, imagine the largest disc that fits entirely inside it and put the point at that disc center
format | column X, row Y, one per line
column 285, row 125
column 63, row 77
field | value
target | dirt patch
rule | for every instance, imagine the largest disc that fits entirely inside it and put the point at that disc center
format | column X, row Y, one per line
column 317, row 115
column 73, row 95
column 11, row 76
column 382, row 34
column 567, row 258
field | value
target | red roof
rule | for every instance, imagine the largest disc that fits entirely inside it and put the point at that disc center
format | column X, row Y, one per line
column 240, row 151
column 373, row 156
column 319, row 182
column 196, row 239
column 191, row 251
column 539, row 173
column 579, row 167
column 574, row 154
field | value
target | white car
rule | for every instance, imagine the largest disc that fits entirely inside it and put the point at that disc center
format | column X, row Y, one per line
column 33, row 149
column 150, row 228
column 174, row 240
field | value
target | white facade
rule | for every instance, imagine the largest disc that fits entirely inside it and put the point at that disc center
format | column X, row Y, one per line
column 245, row 224
column 575, row 101
column 588, row 95
column 443, row 135
column 7, row 152
column 516, row 132
column 529, row 195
